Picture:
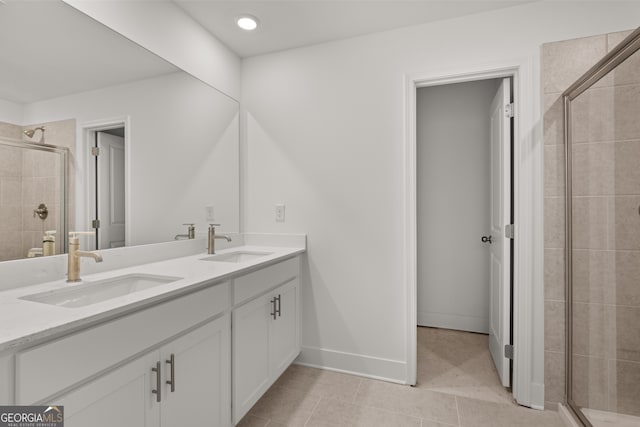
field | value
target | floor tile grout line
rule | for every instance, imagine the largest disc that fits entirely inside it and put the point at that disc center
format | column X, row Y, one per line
column 355, row 395
column 389, row 411
column 313, row 410
column 458, row 411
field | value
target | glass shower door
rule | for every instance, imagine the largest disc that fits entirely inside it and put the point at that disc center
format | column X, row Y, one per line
column 602, row 111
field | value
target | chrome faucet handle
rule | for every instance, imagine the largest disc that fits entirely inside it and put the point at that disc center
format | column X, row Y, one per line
column 191, row 231
column 214, row 225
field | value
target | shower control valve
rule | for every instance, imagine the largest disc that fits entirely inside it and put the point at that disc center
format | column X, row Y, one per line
column 42, row 212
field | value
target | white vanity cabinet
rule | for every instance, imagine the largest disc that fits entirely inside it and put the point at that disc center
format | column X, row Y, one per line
column 201, row 376
column 266, row 331
column 6, row 379
column 201, row 355
column 195, row 364
column 121, row 372
column 122, row 398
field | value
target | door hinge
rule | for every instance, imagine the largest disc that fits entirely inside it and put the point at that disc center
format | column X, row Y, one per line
column 95, row 223
column 508, row 351
column 509, row 231
column 509, row 110
column 95, row 151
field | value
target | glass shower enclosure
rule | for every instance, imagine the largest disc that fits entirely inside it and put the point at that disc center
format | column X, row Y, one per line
column 33, row 198
column 602, row 142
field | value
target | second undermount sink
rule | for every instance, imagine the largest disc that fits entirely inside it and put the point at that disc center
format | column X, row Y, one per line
column 238, row 256
column 89, row 293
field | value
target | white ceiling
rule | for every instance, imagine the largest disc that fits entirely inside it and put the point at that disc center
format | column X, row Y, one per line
column 295, row 23
column 48, row 49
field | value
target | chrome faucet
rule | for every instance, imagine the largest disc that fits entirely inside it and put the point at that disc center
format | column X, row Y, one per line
column 211, row 248
column 191, row 233
column 73, row 259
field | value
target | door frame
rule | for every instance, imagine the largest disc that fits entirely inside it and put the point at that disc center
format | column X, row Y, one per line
column 528, row 271
column 86, row 191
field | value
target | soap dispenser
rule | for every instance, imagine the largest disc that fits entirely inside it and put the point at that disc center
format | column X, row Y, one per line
column 49, row 243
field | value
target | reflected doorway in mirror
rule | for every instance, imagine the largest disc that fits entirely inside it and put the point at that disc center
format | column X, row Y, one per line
column 106, row 165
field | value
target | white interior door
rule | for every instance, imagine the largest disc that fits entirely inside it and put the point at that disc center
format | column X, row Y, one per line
column 111, row 189
column 453, row 198
column 500, row 216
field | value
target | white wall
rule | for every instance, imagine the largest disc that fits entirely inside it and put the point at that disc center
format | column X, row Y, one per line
column 324, row 134
column 10, row 112
column 453, row 147
column 166, row 30
column 183, row 151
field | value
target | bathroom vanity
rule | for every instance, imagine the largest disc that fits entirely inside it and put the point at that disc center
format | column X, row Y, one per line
column 192, row 341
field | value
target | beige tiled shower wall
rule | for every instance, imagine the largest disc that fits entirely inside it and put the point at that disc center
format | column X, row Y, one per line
column 28, row 178
column 10, row 194
column 606, row 190
column 41, row 183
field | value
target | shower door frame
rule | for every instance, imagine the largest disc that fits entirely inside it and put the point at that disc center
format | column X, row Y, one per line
column 64, row 180
column 624, row 50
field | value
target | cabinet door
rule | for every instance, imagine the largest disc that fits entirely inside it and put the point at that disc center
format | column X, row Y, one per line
column 121, row 398
column 198, row 364
column 285, row 333
column 250, row 354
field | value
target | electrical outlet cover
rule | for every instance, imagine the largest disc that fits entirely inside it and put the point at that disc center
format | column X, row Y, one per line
column 280, row 213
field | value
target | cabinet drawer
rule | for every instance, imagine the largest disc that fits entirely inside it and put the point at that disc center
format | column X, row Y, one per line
column 49, row 368
column 253, row 284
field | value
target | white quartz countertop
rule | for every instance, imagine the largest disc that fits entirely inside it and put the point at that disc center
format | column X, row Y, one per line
column 23, row 322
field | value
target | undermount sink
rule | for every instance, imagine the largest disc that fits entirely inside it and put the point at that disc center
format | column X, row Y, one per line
column 101, row 290
column 238, row 256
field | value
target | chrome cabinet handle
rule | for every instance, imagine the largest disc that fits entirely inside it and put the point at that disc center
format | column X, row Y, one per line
column 172, row 381
column 274, row 312
column 486, row 239
column 279, row 305
column 158, row 390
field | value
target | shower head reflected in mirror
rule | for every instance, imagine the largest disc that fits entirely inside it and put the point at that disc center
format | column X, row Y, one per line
column 31, row 132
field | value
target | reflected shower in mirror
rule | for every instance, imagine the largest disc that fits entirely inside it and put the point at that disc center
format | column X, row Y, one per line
column 32, row 197
column 69, row 79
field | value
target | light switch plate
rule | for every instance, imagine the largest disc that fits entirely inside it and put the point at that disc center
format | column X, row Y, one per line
column 280, row 212
column 209, row 213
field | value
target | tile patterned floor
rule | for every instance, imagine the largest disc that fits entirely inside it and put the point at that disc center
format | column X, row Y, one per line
column 457, row 387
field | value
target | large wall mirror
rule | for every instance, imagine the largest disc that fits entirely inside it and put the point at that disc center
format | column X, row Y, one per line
column 149, row 147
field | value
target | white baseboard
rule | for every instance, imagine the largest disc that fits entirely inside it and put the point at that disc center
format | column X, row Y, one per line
column 454, row 321
column 537, row 396
column 356, row 364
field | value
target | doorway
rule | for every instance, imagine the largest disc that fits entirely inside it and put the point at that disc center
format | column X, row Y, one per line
column 109, row 198
column 106, row 183
column 464, row 191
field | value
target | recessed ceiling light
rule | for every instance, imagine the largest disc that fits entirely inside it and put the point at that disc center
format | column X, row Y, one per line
column 247, row 22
